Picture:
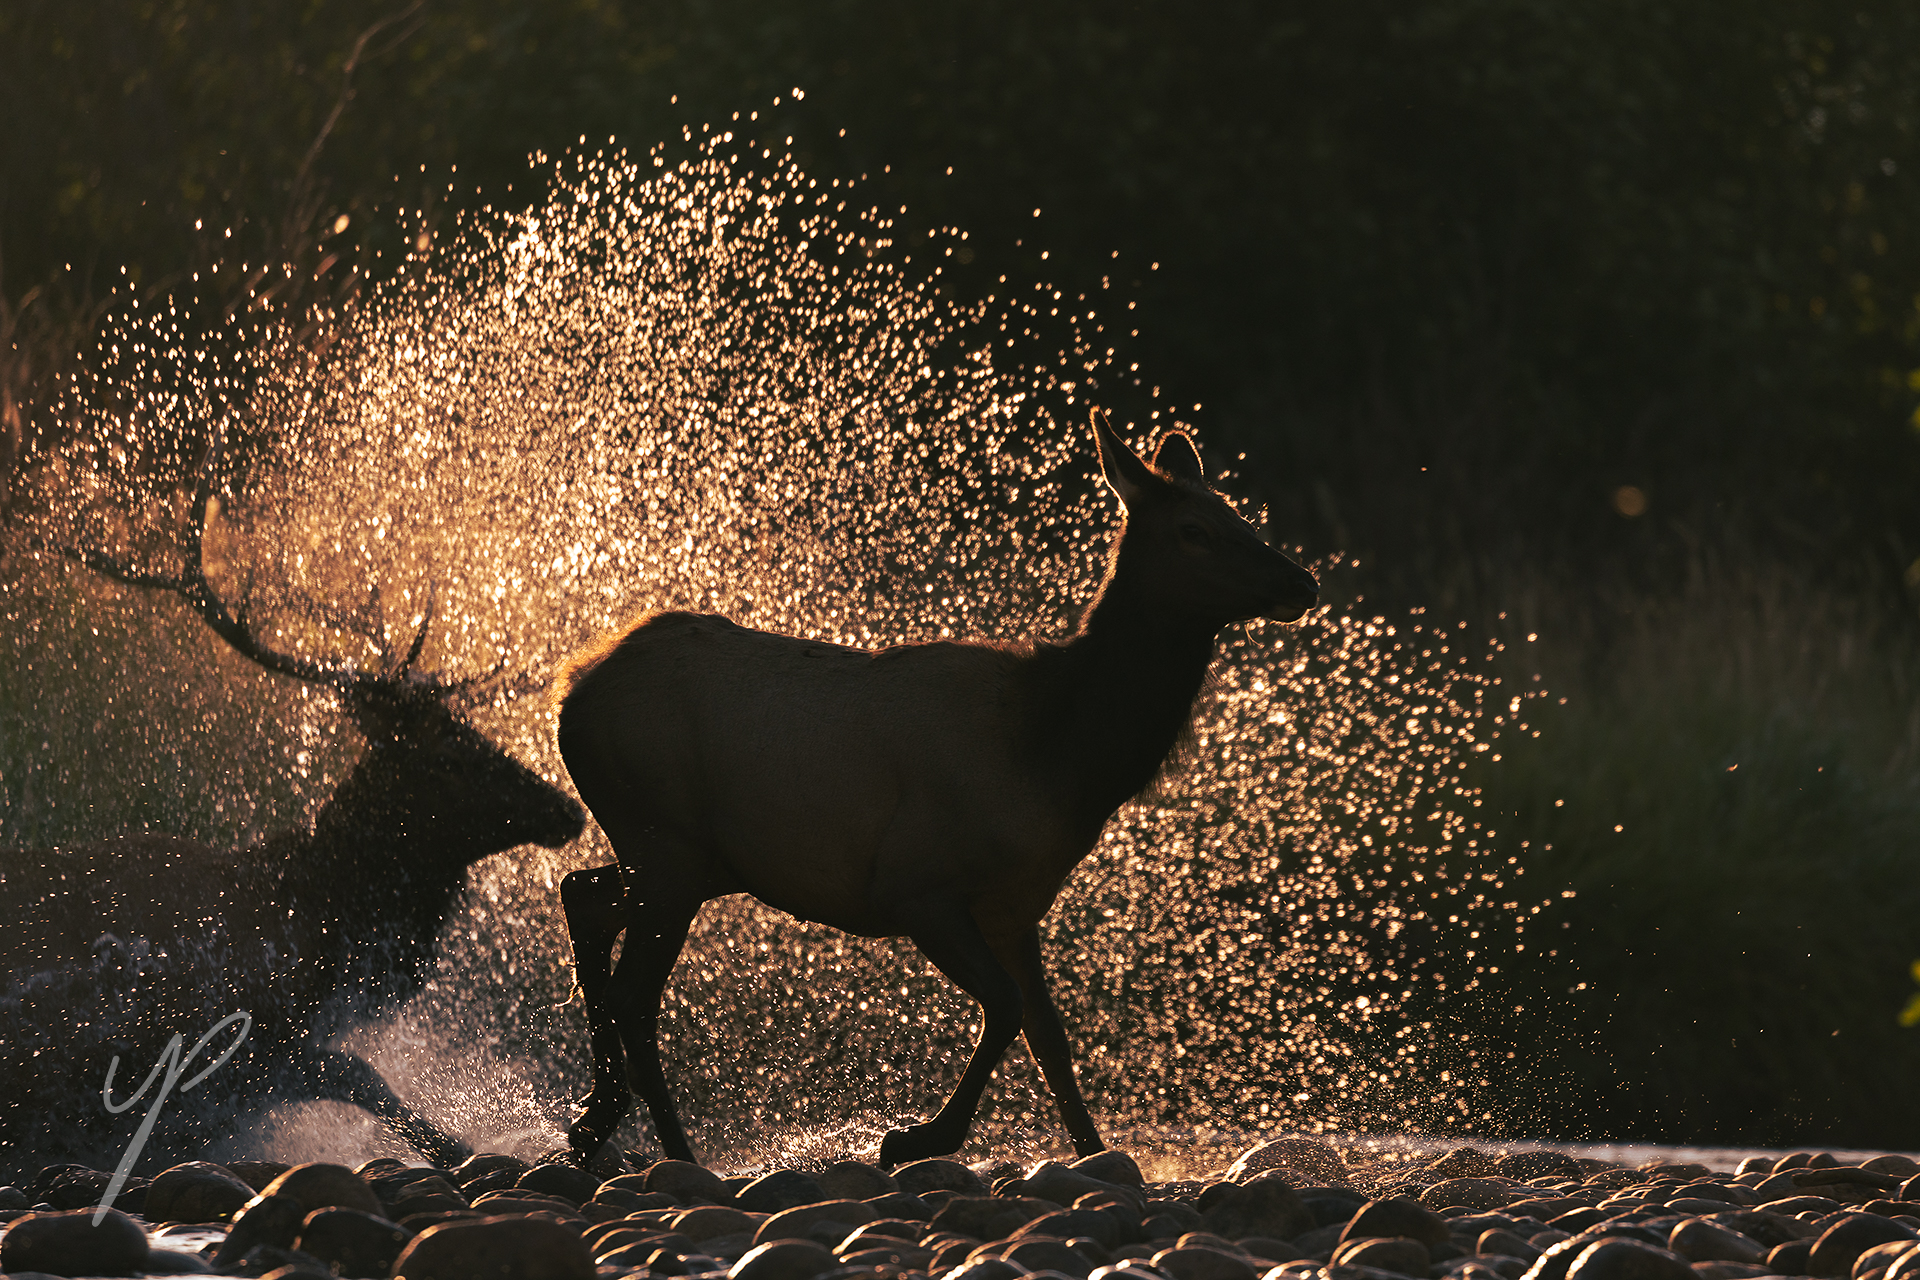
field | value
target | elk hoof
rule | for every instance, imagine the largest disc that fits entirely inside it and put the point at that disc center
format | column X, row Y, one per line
column 596, row 1124
column 916, row 1142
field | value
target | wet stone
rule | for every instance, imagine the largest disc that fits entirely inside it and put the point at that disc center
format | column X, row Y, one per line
column 1265, row 1206
column 990, row 1217
column 1394, row 1253
column 69, row 1243
column 939, row 1175
column 1699, row 1240
column 1399, row 1216
column 1309, row 1158
column 256, row 1173
column 1463, row 1162
column 496, row 1249
column 687, row 1181
column 569, row 1182
column 1833, row 1254
column 270, row 1219
column 1792, row 1258
column 326, row 1186
column 782, row 1189
column 852, row 1180
column 352, row 1242
column 1204, row 1264
column 1116, row 1167
column 900, row 1204
column 784, row 1260
column 1498, row 1240
column 709, row 1222
column 1109, row 1230
column 1614, row 1259
column 798, row 1222
column 1528, row 1165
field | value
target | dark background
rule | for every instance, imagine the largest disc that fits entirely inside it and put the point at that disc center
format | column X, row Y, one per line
column 1449, row 273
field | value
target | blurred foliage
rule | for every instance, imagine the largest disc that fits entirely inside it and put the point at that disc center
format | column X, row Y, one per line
column 1732, row 801
column 1540, row 250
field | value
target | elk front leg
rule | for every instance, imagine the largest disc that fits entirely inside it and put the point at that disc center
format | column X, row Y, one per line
column 953, row 941
column 1047, row 1042
column 596, row 912
column 333, row 1075
column 655, row 933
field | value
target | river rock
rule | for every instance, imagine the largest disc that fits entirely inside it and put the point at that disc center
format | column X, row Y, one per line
column 852, row 1180
column 1040, row 1254
column 1204, row 1264
column 326, row 1186
column 1699, row 1240
column 1505, row 1243
column 1309, row 1158
column 352, row 1242
column 269, row 1219
column 69, row 1243
column 1881, row 1258
column 798, row 1222
column 989, row 1217
column 939, row 1175
column 1386, row 1253
column 1767, row 1227
column 1556, row 1256
column 431, row 1194
column 1109, row 1229
column 1834, row 1252
column 687, row 1181
column 1116, row 1167
column 496, row 1249
column 1462, row 1162
column 1264, row 1206
column 195, row 1192
column 568, row 1181
column 984, row 1269
column 1399, row 1216
column 781, row 1189
column 784, row 1260
column 256, row 1173
column 1524, row 1166
column 1612, row 1259
column 1471, row 1193
column 711, row 1221
column 1791, row 1258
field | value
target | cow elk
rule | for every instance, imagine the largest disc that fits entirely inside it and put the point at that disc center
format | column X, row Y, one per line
column 941, row 792
column 112, row 948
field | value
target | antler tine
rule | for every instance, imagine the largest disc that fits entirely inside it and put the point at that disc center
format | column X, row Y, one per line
column 192, row 586
column 419, row 637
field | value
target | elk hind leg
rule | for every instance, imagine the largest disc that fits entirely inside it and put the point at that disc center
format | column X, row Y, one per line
column 953, row 941
column 1047, row 1042
column 596, row 912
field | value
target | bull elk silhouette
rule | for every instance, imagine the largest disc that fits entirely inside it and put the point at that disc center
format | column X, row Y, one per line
column 112, row 948
column 941, row 792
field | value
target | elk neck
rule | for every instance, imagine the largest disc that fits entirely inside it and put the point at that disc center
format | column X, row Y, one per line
column 1115, row 700
column 376, row 862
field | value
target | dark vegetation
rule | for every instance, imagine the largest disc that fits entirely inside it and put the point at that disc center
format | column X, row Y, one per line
column 1600, row 322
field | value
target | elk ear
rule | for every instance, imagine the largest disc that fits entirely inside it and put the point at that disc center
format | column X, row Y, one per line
column 1126, row 475
column 1178, row 458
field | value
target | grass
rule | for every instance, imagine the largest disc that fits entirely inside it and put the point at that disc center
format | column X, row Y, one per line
column 1731, row 791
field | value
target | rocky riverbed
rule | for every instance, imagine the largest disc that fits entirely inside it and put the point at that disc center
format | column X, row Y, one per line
column 1290, row 1208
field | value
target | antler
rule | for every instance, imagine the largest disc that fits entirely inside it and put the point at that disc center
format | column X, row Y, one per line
column 191, row 585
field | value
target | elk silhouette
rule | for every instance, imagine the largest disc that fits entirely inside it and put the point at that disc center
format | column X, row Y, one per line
column 941, row 792
column 111, row 949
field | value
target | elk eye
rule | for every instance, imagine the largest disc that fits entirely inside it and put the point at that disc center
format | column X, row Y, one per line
column 1195, row 535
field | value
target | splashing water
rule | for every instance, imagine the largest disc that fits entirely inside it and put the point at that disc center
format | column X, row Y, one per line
column 724, row 385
